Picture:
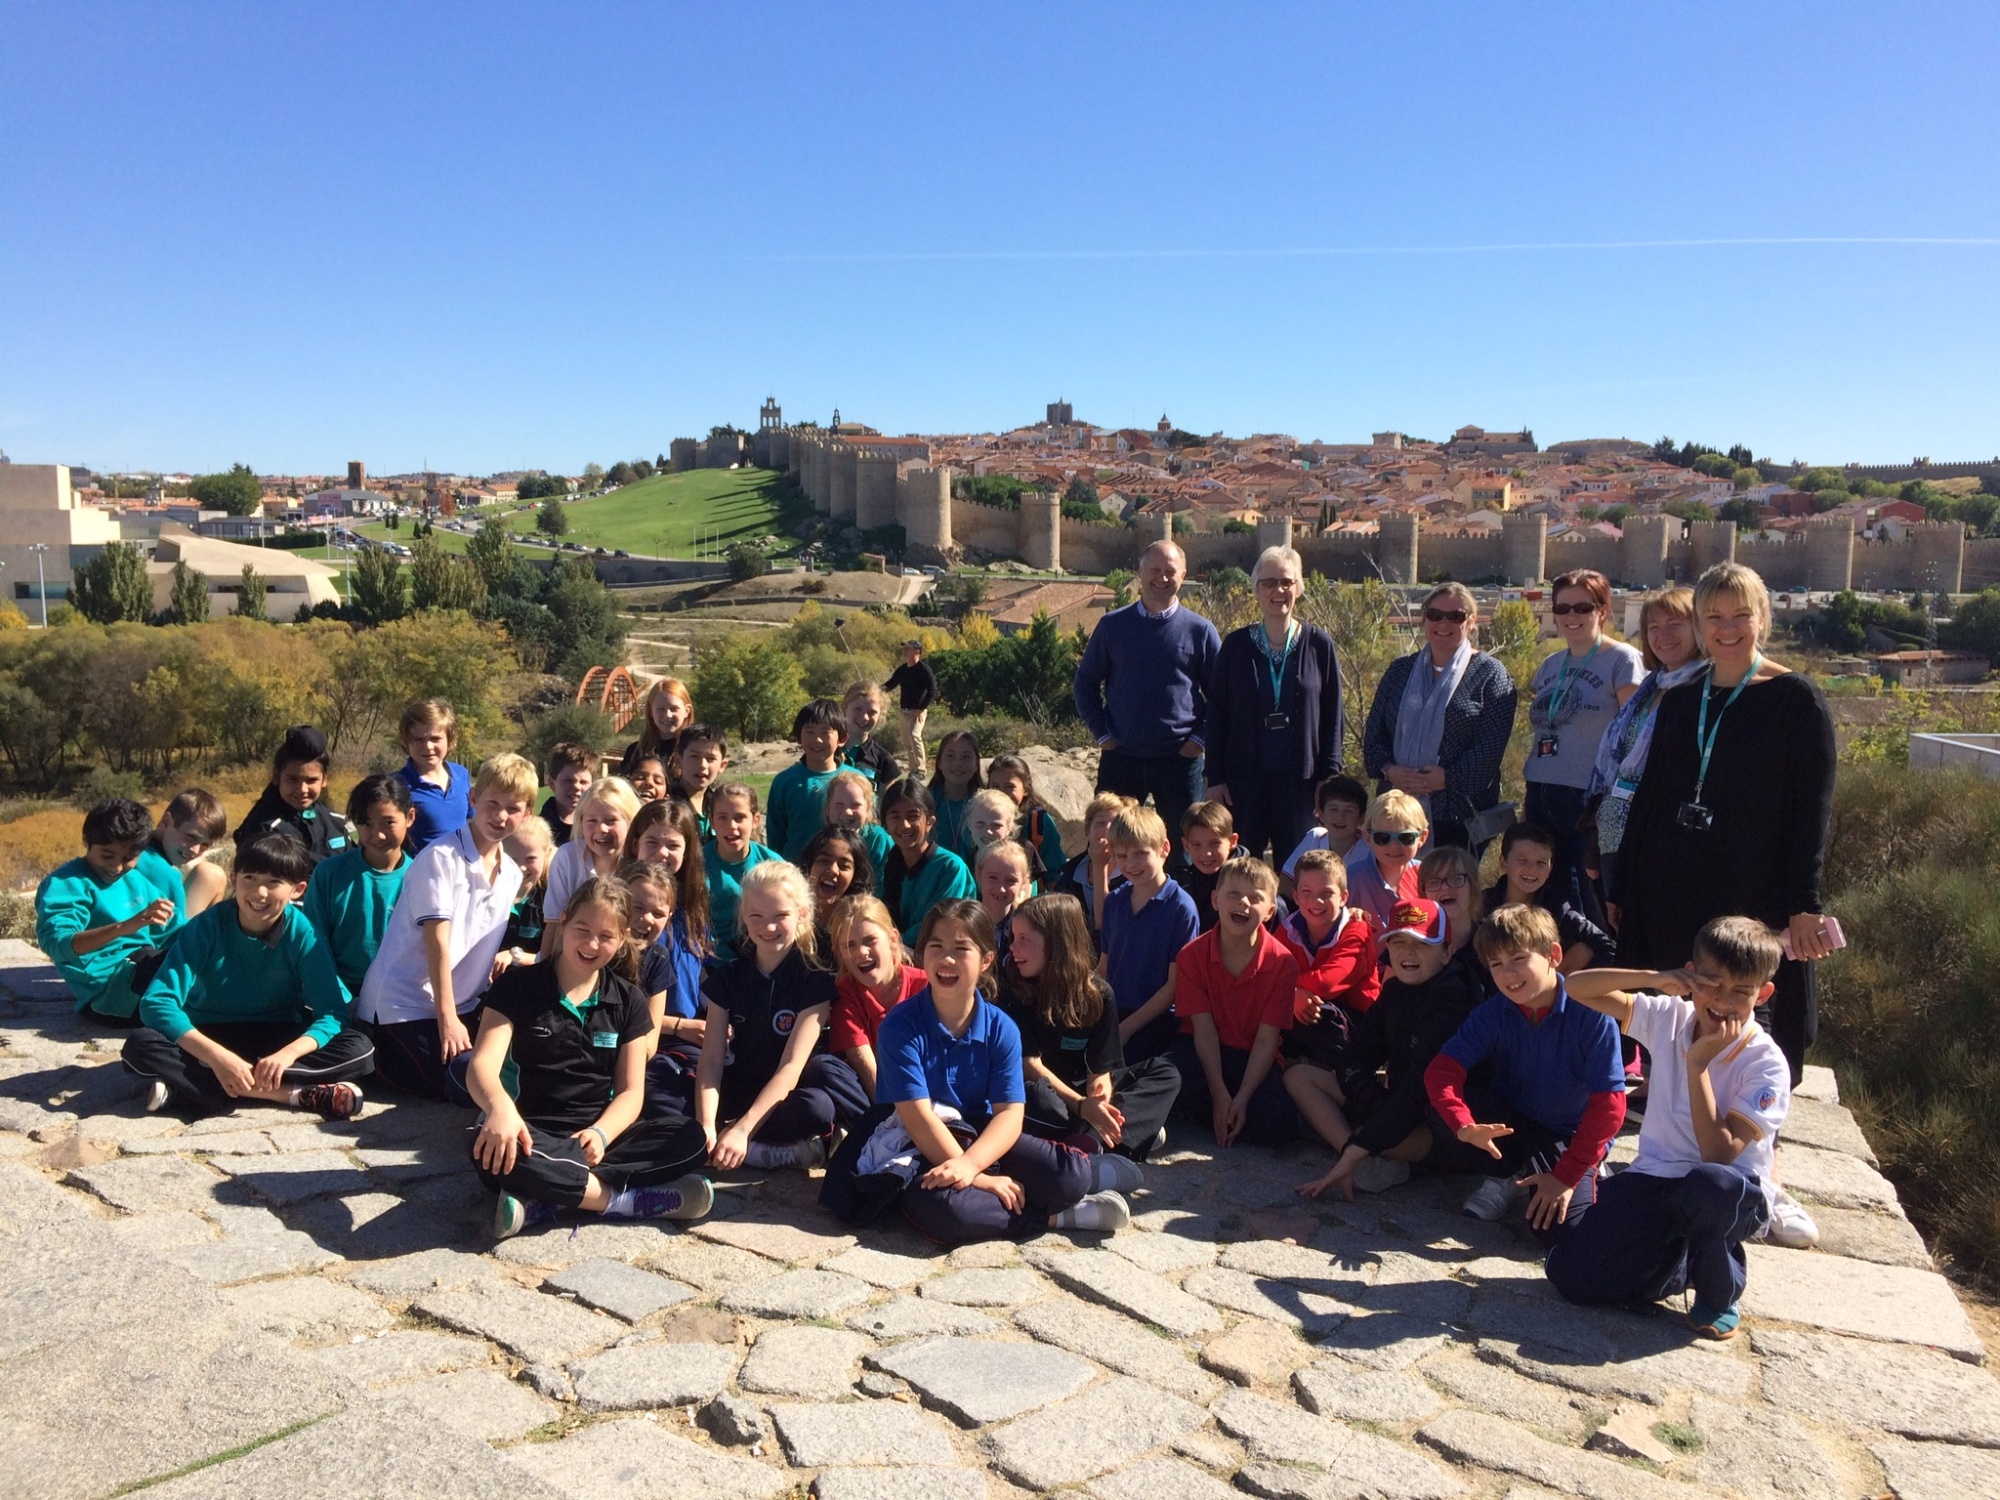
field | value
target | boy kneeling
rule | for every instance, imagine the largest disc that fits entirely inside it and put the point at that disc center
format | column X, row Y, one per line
column 1701, row 1184
column 248, row 979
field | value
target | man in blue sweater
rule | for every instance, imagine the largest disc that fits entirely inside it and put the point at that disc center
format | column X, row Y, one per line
column 1140, row 688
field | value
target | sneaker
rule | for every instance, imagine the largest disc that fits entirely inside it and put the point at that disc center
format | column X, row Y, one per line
column 811, row 1153
column 511, row 1215
column 1791, row 1226
column 688, row 1197
column 1377, row 1174
column 1715, row 1325
column 1117, row 1173
column 157, row 1095
column 336, row 1101
column 1492, row 1198
column 1106, row 1213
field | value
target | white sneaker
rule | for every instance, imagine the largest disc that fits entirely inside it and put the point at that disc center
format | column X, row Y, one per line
column 1105, row 1212
column 1791, row 1226
column 1377, row 1174
column 157, row 1096
column 1118, row 1173
column 1492, row 1198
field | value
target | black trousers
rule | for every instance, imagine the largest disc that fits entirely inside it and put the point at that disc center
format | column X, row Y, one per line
column 1532, row 1148
column 828, row 1093
column 1053, row 1177
column 407, row 1054
column 1272, row 1118
column 1270, row 808
column 1173, row 781
column 1144, row 1094
column 150, row 1054
column 649, row 1152
column 1653, row 1237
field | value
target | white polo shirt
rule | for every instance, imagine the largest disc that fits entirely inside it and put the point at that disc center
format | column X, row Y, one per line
column 1751, row 1079
column 445, row 883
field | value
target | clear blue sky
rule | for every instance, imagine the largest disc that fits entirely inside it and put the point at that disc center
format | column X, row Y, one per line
column 494, row 236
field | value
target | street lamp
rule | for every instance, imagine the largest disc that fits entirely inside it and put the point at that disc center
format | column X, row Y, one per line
column 41, row 579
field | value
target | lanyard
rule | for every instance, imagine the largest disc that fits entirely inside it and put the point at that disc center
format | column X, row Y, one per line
column 1276, row 665
column 1704, row 737
column 1570, row 667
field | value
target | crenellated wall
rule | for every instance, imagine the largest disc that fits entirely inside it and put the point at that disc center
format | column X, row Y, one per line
column 1566, row 554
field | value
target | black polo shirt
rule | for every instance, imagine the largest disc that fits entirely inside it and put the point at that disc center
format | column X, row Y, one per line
column 1075, row 1054
column 763, row 1009
column 568, row 1062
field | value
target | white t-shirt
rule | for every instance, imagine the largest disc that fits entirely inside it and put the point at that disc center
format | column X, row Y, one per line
column 1313, row 840
column 445, row 883
column 1751, row 1079
column 569, row 869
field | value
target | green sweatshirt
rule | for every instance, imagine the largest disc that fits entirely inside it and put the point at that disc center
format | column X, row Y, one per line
column 215, row 972
column 875, row 838
column 910, row 894
column 725, row 891
column 72, row 900
column 348, row 902
column 795, row 810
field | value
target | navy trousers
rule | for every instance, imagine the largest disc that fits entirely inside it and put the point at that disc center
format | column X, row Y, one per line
column 1053, row 1177
column 1272, row 1118
column 1654, row 1237
column 1173, row 781
column 1143, row 1094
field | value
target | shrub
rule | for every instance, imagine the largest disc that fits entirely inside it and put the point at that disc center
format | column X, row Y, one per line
column 749, row 685
column 747, row 561
column 575, row 723
column 1028, row 675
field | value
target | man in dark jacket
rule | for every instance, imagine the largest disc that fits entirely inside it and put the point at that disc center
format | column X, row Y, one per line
column 917, row 683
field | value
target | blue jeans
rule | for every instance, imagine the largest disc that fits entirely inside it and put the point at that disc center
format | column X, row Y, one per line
column 1174, row 782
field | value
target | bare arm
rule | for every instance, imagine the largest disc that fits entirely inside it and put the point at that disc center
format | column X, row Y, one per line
column 1160, row 1002
column 1721, row 1140
column 862, row 1060
column 785, row 1077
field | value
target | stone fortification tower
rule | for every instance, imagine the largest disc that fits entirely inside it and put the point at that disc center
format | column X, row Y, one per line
column 1829, row 554
column 1396, row 548
column 874, row 492
column 1940, row 559
column 1041, row 530
column 1709, row 543
column 1642, row 553
column 1274, row 532
column 1524, row 548
column 923, row 501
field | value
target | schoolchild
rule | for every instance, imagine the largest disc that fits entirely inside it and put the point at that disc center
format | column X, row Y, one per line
column 1527, row 862
column 1557, row 1094
column 1093, row 874
column 531, row 846
column 1012, row 775
column 701, row 755
column 649, row 776
column 1382, row 866
column 1450, row 877
column 667, row 833
column 1234, row 996
column 664, row 712
column 674, row 1004
column 570, row 770
column 796, row 807
column 291, row 803
column 991, row 816
column 1077, row 1080
column 437, row 956
column 189, row 827
column 104, row 918
column 1208, row 842
column 440, row 788
column 569, row 1135
column 921, row 872
column 850, row 806
column 728, row 857
column 1341, row 803
column 246, row 1004
column 1146, row 924
column 952, row 785
column 350, row 896
column 874, row 979
column 766, row 1095
column 1000, row 871
column 603, row 819
column 836, row 866
column 950, row 1062
column 1340, row 962
column 1376, row 1125
column 861, row 708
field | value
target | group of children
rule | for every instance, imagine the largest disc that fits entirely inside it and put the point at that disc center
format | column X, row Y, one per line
column 908, row 984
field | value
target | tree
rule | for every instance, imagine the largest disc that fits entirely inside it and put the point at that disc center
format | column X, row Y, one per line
column 1515, row 636
column 1741, row 455
column 237, row 491
column 440, row 581
column 250, row 602
column 1119, row 581
column 1976, row 626
column 1080, row 500
column 1715, row 466
column 113, row 586
column 1183, row 523
column 490, row 549
column 1357, row 616
column 552, row 519
column 620, row 473
column 1745, row 512
column 1235, row 527
column 593, row 476
column 747, row 561
column 378, row 587
column 189, row 604
column 748, row 686
column 642, row 468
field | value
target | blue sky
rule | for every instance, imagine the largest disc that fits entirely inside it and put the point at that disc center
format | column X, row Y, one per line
column 495, row 236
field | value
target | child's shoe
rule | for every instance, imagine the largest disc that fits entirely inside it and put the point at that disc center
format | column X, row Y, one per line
column 511, row 1215
column 336, row 1101
column 1106, row 1213
column 1492, row 1198
column 811, row 1153
column 1116, row 1173
column 157, row 1095
column 1715, row 1325
column 766, row 1157
column 1377, row 1174
column 689, row 1197
column 1791, row 1226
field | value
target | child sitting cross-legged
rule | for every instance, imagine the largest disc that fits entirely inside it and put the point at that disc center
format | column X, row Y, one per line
column 874, row 979
column 1234, row 992
column 187, row 830
column 1339, row 961
column 247, row 1005
column 1382, row 867
column 350, row 896
column 103, row 916
column 728, row 857
column 1557, row 1094
column 1208, row 842
column 1376, row 1125
column 795, row 809
column 1677, row 1217
column 577, row 1030
column 597, row 847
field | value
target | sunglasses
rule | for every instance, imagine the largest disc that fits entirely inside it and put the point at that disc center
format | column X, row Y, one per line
column 1385, row 837
column 1572, row 609
column 1438, row 616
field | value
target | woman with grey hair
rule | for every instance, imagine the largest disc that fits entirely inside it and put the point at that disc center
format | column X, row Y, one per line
column 1274, row 726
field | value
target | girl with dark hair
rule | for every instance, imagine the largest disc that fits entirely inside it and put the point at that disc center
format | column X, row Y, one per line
column 920, row 873
column 350, row 896
column 952, row 785
column 290, row 804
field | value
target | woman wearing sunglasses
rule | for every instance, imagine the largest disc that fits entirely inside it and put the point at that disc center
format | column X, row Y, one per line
column 1576, row 693
column 1441, row 717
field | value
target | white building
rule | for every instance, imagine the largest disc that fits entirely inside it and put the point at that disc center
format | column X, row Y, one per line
column 37, row 507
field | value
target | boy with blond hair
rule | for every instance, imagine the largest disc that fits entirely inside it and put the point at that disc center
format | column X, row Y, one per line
column 1093, row 874
column 1382, row 867
column 1146, row 924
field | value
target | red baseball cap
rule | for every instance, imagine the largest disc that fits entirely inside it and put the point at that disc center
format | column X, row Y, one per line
column 1423, row 920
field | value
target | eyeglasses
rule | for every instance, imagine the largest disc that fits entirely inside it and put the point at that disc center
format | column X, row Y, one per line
column 1277, row 583
column 1447, row 882
column 1438, row 616
column 1572, row 609
column 1385, row 836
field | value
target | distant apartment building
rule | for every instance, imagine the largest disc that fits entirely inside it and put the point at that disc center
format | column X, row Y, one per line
column 39, row 510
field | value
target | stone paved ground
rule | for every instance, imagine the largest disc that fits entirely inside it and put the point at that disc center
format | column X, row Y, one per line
column 262, row 1304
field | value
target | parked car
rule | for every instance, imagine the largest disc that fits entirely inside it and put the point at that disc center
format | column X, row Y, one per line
column 621, row 552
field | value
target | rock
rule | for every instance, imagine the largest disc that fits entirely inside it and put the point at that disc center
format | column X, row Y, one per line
column 244, row 1259
column 879, row 1268
column 982, row 1255
column 1863, row 1234
column 1814, row 1122
column 1818, row 1083
column 1283, row 1482
column 403, row 1277
column 1088, row 1434
column 799, row 1294
column 900, row 1484
column 1161, row 1479
column 308, row 1309
column 74, row 1150
column 1915, row 1392
column 566, row 1242
column 1475, row 1438
column 1387, row 1341
column 1937, row 1471
column 538, row 1328
column 1628, row 1433
column 1065, row 781
column 1313, row 1313
column 1892, row 1303
column 1491, row 1388
column 1357, row 1395
column 289, row 1179
column 1302, row 1266
column 1256, row 1352
column 1210, row 1449
column 621, row 1290
column 401, row 1355
column 482, row 1404
column 733, row 1421
column 700, row 1325
column 875, row 1384
column 910, row 1318
column 639, row 1376
column 985, row 1288
column 870, row 1433
column 812, row 1362
column 1833, row 1178
column 1281, row 1433
column 637, row 1460
column 148, row 1185
column 1650, row 1377
column 551, row 1381
column 782, row 1242
column 1102, row 1277
column 1760, row 1454
column 977, row 1381
column 1114, row 1340
column 1162, row 1254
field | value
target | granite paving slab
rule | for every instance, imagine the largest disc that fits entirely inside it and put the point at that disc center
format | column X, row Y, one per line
column 638, row 1460
column 900, row 1484
column 1257, row 1352
column 1116, row 1341
column 404, row 1277
column 1937, row 1471
column 308, row 1309
column 865, row 1433
column 1162, row 1254
column 1355, row 1394
column 1313, row 1313
column 635, row 1377
column 1813, row 1122
column 1917, row 1393
column 986, row 1288
column 539, row 1328
column 799, row 1294
column 1833, row 1178
column 1759, row 1454
column 978, row 1381
column 816, row 1364
column 1160, row 1479
column 287, row 1179
column 614, row 1287
column 1476, row 1438
column 1895, row 1304
column 1085, row 1436
column 482, row 1404
column 1279, row 1432
column 791, row 1243
column 402, row 1354
column 881, row 1268
column 1493, row 1388
column 1117, row 1283
column 912, row 1318
column 148, row 1185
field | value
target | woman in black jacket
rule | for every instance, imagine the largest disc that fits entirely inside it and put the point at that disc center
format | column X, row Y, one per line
column 1274, row 727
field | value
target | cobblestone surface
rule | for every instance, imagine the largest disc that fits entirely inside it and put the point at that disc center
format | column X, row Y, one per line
column 322, row 1299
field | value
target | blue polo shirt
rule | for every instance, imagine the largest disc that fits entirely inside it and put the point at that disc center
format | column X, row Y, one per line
column 1140, row 946
column 916, row 1058
column 439, row 810
column 1547, row 1069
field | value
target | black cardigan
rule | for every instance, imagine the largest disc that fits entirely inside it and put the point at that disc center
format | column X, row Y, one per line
column 1477, row 724
column 1239, row 697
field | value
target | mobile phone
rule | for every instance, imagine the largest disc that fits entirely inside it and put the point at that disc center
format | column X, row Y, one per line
column 1829, row 926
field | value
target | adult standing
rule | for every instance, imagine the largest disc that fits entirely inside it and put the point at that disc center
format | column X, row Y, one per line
column 1731, row 815
column 1274, row 714
column 1667, row 645
column 1441, row 719
column 917, row 684
column 1142, row 688
column 1575, row 694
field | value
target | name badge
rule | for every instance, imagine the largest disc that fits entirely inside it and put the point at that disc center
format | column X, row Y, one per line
column 604, row 1039
column 1074, row 1043
column 338, row 841
column 1277, row 721
column 1547, row 745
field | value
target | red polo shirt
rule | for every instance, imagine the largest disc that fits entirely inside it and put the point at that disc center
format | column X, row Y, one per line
column 1240, row 1003
column 857, row 1015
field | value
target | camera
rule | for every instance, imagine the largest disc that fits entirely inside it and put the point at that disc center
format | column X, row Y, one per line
column 1695, row 818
